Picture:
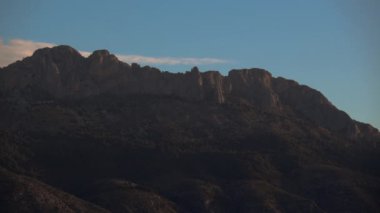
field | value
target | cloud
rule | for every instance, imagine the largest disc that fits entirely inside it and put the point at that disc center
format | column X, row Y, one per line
column 17, row 49
column 170, row 60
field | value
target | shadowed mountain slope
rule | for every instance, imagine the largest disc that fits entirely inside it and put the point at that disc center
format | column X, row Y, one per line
column 134, row 139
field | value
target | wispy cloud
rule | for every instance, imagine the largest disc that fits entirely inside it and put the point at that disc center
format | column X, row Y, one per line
column 170, row 60
column 17, row 49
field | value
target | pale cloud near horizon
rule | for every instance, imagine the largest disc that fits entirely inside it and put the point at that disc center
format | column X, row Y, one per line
column 170, row 60
column 17, row 49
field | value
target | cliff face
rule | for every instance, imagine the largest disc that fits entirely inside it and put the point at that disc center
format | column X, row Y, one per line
column 61, row 72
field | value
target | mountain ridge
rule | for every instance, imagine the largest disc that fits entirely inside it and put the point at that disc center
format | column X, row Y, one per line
column 62, row 72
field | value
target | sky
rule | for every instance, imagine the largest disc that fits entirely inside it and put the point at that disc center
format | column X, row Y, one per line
column 330, row 45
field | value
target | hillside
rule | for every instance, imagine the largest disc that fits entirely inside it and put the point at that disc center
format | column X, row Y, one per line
column 96, row 134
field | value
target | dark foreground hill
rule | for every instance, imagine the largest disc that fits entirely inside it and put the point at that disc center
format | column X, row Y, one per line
column 96, row 134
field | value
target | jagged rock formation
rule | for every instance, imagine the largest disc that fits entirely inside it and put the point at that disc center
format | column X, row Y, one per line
column 61, row 72
column 95, row 135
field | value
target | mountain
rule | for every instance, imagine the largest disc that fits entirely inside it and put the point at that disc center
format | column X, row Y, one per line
column 97, row 134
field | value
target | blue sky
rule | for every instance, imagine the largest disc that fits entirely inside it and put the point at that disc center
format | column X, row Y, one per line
column 330, row 45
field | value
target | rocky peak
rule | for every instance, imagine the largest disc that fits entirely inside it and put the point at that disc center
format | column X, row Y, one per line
column 102, row 56
column 57, row 53
column 45, row 71
column 101, row 52
column 60, row 60
column 97, row 54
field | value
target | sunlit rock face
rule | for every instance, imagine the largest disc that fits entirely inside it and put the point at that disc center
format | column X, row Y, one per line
column 61, row 72
column 254, row 85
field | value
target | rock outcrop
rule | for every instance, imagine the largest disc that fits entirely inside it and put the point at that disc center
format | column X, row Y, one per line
column 61, row 72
